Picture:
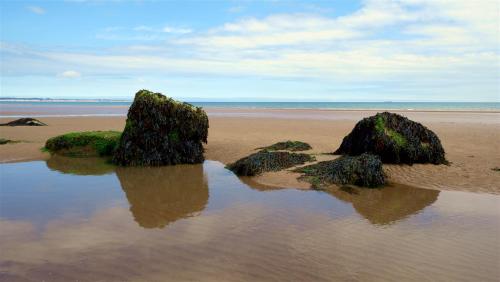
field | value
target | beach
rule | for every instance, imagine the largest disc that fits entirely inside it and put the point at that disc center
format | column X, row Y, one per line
column 470, row 139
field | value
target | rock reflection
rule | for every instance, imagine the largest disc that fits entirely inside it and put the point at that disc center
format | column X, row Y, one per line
column 80, row 166
column 387, row 205
column 250, row 182
column 161, row 195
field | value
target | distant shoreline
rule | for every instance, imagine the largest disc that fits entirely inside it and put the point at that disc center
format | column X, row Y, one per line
column 50, row 106
column 248, row 112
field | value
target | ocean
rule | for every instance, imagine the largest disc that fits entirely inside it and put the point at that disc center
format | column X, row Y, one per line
column 429, row 106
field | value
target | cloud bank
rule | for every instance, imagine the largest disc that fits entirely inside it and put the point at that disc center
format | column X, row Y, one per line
column 435, row 46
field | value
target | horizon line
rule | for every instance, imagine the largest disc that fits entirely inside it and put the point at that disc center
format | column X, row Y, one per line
column 198, row 100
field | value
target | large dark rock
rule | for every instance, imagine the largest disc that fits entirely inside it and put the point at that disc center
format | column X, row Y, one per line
column 162, row 131
column 264, row 160
column 24, row 122
column 394, row 138
column 364, row 170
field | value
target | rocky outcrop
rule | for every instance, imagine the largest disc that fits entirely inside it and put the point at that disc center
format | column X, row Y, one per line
column 364, row 170
column 264, row 161
column 293, row 146
column 162, row 131
column 24, row 122
column 394, row 138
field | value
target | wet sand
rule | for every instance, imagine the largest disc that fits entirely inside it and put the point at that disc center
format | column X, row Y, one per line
column 470, row 140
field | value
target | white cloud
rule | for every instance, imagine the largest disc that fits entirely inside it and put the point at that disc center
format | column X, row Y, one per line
column 390, row 41
column 37, row 10
column 70, row 74
column 141, row 33
column 275, row 30
column 177, row 30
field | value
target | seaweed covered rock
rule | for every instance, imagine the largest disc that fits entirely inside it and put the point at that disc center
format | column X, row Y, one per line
column 263, row 161
column 24, row 122
column 394, row 138
column 364, row 170
column 162, row 131
column 293, row 146
column 84, row 144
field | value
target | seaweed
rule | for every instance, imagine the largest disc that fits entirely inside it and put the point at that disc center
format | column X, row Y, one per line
column 264, row 161
column 84, row 144
column 289, row 145
column 394, row 138
column 4, row 141
column 364, row 170
column 161, row 131
column 24, row 122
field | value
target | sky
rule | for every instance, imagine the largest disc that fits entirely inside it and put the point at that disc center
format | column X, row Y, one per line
column 338, row 50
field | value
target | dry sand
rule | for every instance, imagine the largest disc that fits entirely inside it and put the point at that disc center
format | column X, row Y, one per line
column 470, row 140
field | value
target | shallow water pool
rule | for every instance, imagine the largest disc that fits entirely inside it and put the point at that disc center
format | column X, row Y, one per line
column 82, row 219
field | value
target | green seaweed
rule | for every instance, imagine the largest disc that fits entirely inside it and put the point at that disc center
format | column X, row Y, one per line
column 364, row 170
column 394, row 138
column 380, row 124
column 83, row 144
column 173, row 136
column 288, row 146
column 264, row 161
column 399, row 139
column 381, row 128
column 161, row 131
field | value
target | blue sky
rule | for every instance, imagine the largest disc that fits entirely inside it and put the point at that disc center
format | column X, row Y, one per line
column 399, row 50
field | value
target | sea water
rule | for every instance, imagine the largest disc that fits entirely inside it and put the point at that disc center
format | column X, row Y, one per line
column 83, row 219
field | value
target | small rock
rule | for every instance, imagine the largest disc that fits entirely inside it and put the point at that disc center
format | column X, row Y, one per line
column 263, row 161
column 4, row 141
column 24, row 122
column 293, row 146
column 364, row 170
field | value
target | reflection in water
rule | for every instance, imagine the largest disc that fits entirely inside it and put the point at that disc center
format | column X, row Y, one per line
column 161, row 195
column 379, row 206
column 241, row 235
column 386, row 205
column 158, row 196
column 80, row 166
column 258, row 186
